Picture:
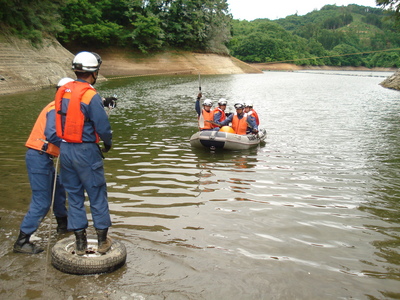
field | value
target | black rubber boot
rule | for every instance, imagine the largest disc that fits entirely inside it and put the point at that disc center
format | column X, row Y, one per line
column 22, row 245
column 104, row 243
column 81, row 242
column 62, row 223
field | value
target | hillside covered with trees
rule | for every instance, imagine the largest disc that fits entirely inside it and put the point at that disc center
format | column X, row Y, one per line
column 145, row 25
column 330, row 36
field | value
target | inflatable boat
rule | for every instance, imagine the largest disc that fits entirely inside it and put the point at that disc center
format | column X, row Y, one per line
column 225, row 139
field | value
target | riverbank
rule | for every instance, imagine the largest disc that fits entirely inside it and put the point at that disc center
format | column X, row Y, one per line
column 117, row 62
column 25, row 68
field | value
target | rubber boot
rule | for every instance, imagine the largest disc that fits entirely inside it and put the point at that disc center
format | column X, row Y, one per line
column 62, row 223
column 104, row 243
column 22, row 245
column 81, row 242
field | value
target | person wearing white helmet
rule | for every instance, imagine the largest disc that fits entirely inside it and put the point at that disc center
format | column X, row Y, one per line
column 81, row 122
column 63, row 81
column 205, row 115
column 241, row 122
column 219, row 113
column 248, row 108
column 43, row 145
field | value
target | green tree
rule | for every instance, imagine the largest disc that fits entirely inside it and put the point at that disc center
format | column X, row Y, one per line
column 309, row 31
column 147, row 33
column 117, row 11
column 316, row 48
column 320, row 37
column 219, row 34
column 148, row 24
column 338, row 21
column 31, row 19
column 85, row 25
column 373, row 20
column 329, row 38
column 265, row 41
column 196, row 24
column 385, row 60
column 348, row 58
column 392, row 6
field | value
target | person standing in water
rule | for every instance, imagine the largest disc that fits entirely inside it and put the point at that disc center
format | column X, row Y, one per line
column 43, row 146
column 81, row 122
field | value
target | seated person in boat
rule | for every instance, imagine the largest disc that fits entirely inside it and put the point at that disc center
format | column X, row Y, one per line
column 242, row 123
column 205, row 115
column 219, row 113
column 248, row 108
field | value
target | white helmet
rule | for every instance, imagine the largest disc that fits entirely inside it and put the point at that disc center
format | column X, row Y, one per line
column 86, row 62
column 239, row 106
column 248, row 104
column 222, row 101
column 207, row 102
column 63, row 81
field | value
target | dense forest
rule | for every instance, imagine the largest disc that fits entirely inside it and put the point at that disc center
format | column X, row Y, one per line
column 350, row 35
column 335, row 35
column 145, row 25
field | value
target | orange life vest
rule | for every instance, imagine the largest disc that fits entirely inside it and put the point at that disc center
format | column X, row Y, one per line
column 255, row 115
column 37, row 138
column 222, row 117
column 76, row 92
column 239, row 125
column 205, row 116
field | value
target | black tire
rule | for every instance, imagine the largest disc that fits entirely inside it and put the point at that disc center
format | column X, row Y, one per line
column 63, row 257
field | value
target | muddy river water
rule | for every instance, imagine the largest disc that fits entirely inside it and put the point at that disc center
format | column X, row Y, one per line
column 312, row 214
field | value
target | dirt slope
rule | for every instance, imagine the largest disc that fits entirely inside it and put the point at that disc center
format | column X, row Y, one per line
column 117, row 62
column 24, row 68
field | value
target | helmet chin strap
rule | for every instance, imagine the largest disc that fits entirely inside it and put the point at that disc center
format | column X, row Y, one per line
column 94, row 78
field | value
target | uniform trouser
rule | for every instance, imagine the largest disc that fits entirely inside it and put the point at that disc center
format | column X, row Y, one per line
column 41, row 177
column 82, row 170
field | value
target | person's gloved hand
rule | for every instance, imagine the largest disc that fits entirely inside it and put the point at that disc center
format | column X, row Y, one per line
column 110, row 102
column 255, row 130
column 199, row 96
column 106, row 148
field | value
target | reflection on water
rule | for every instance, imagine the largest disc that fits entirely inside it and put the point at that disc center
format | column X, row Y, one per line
column 313, row 214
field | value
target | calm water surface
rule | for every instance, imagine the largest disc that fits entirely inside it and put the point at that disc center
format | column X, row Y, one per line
column 312, row 214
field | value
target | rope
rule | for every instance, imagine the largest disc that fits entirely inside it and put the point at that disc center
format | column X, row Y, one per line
column 51, row 219
column 154, row 74
column 38, row 86
column 338, row 55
